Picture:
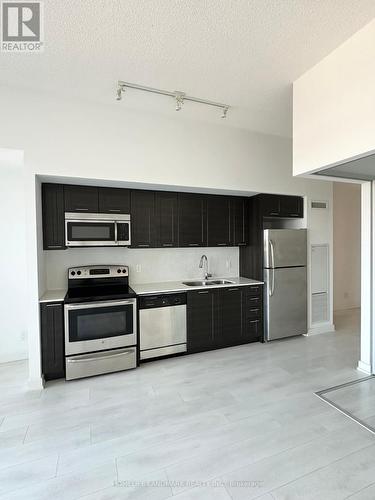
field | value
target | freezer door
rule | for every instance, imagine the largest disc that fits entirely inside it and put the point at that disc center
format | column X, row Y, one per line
column 285, row 247
column 285, row 302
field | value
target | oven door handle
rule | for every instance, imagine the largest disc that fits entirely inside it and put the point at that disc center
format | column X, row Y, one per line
column 85, row 359
column 96, row 305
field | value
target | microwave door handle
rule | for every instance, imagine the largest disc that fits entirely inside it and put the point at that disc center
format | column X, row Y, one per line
column 116, row 242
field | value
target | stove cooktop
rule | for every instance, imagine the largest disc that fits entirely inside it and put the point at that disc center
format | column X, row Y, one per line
column 99, row 293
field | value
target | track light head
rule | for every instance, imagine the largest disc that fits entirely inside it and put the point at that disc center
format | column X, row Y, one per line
column 119, row 92
column 179, row 96
column 225, row 111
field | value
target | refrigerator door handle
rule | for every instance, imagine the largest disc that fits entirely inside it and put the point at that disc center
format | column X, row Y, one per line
column 272, row 287
column 272, row 254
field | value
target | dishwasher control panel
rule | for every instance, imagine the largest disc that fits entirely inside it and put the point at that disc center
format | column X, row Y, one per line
column 163, row 300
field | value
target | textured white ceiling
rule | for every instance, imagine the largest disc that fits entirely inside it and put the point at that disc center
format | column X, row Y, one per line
column 243, row 52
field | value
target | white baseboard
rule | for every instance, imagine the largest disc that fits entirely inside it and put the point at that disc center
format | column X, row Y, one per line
column 327, row 327
column 35, row 384
column 364, row 367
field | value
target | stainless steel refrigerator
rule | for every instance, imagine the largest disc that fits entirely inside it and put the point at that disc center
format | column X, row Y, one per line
column 285, row 283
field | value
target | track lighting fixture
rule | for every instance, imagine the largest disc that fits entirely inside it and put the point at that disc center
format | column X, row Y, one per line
column 180, row 97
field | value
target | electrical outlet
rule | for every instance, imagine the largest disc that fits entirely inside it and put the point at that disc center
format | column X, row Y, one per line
column 138, row 268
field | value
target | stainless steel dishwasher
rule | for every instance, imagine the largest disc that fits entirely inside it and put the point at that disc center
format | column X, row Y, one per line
column 162, row 325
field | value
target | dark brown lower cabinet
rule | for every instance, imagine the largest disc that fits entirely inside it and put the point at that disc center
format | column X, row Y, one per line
column 52, row 340
column 224, row 317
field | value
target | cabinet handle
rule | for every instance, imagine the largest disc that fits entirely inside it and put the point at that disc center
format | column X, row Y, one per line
column 53, row 305
column 167, row 244
column 222, row 244
column 232, row 289
column 143, row 246
column 193, row 244
column 114, row 210
column 294, row 215
column 81, row 209
column 206, row 291
column 54, row 246
column 274, row 213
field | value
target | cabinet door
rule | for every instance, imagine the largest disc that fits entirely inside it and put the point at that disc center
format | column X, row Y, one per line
column 202, row 320
column 114, row 200
column 240, row 221
column 218, row 221
column 231, row 316
column 253, row 313
column 143, row 223
column 53, row 217
column 81, row 199
column 291, row 206
column 271, row 205
column 191, row 220
column 52, row 337
column 166, row 215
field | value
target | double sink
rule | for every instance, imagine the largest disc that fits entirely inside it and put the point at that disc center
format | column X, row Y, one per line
column 208, row 282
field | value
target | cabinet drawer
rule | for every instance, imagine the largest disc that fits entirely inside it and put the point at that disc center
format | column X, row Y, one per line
column 254, row 328
column 254, row 290
column 253, row 302
column 254, row 313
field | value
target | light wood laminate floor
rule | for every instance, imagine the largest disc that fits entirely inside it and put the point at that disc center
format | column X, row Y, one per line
column 236, row 423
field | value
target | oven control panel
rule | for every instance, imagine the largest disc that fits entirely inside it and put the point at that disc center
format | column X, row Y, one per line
column 116, row 271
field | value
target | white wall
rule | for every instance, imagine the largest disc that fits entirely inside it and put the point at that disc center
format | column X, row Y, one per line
column 13, row 323
column 157, row 264
column 346, row 245
column 82, row 140
column 333, row 106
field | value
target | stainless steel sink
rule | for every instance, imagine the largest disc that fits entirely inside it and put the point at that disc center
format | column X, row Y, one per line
column 207, row 282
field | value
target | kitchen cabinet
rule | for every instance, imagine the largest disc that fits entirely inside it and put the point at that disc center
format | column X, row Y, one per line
column 240, row 221
column 218, row 221
column 191, row 220
column 223, row 317
column 202, row 320
column 281, row 206
column 52, row 340
column 231, row 324
column 81, row 198
column 166, row 206
column 143, row 221
column 53, row 217
column 114, row 200
column 291, row 206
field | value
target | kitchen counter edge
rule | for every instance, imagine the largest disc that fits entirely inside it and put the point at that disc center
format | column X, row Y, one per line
column 178, row 286
column 53, row 296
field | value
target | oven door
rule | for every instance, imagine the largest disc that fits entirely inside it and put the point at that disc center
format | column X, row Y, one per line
column 98, row 326
column 79, row 233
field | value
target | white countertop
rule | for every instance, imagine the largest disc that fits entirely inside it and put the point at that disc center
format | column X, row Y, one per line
column 178, row 286
column 53, row 295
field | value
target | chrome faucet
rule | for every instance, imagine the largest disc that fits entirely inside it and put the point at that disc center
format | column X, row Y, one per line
column 204, row 262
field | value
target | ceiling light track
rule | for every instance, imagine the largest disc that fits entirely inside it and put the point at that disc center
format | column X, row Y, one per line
column 179, row 97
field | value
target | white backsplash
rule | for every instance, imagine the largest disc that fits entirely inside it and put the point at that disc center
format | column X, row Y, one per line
column 145, row 265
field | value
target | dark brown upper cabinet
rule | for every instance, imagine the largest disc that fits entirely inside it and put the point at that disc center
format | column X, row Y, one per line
column 291, row 206
column 270, row 205
column 143, row 220
column 240, row 221
column 218, row 221
column 53, row 216
column 114, row 200
column 191, row 220
column 81, row 199
column 166, row 209
column 282, row 206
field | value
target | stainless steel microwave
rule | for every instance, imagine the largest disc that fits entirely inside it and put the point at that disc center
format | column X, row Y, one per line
column 93, row 230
